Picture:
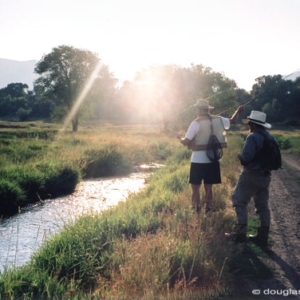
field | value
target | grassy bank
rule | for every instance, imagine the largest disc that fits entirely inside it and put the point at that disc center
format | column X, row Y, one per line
column 39, row 162
column 153, row 246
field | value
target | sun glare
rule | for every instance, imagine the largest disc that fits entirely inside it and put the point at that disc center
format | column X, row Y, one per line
column 82, row 96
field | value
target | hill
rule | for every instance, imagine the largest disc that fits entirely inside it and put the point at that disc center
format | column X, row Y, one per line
column 293, row 76
column 12, row 71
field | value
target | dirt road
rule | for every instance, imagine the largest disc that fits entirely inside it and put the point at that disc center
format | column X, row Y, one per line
column 284, row 256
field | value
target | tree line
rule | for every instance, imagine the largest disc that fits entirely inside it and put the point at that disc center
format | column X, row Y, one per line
column 76, row 80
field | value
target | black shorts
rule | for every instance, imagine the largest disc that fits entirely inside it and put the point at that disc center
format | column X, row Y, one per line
column 208, row 173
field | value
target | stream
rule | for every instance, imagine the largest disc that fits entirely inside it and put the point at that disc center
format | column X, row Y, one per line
column 23, row 234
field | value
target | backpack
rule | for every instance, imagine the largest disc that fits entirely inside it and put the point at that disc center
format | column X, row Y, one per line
column 269, row 156
column 214, row 149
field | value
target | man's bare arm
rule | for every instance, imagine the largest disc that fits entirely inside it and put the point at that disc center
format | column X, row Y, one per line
column 183, row 140
column 236, row 113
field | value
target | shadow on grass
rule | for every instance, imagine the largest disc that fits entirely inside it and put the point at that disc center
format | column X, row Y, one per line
column 289, row 271
column 252, row 273
column 246, row 264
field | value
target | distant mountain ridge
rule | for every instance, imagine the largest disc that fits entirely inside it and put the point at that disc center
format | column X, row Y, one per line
column 293, row 76
column 12, row 71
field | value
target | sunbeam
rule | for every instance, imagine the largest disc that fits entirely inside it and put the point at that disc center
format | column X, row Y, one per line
column 82, row 96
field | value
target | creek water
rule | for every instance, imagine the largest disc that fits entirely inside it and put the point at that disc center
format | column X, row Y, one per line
column 23, row 234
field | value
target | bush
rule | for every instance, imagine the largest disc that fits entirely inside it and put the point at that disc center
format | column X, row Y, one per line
column 11, row 196
column 61, row 180
column 23, row 114
column 292, row 121
column 160, row 150
column 32, row 183
column 29, row 179
column 107, row 161
column 283, row 143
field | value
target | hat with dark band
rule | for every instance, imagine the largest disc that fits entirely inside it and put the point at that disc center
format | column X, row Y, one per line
column 257, row 117
column 203, row 104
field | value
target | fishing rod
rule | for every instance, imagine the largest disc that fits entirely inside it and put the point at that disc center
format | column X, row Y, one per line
column 249, row 101
column 219, row 93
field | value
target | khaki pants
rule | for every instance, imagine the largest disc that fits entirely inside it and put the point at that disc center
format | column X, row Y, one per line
column 252, row 184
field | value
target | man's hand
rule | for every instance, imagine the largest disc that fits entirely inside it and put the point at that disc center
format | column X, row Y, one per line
column 179, row 135
column 183, row 140
column 240, row 157
column 240, row 108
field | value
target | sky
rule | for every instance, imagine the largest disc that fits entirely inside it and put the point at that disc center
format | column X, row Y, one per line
column 243, row 39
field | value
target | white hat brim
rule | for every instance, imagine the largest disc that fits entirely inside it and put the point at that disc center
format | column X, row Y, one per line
column 267, row 125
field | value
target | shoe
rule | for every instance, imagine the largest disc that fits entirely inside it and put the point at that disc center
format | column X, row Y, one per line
column 238, row 235
column 207, row 209
column 261, row 239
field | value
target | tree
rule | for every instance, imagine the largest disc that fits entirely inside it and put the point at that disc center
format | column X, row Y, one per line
column 102, row 96
column 164, row 93
column 65, row 73
column 215, row 86
column 12, row 98
column 276, row 97
column 15, row 90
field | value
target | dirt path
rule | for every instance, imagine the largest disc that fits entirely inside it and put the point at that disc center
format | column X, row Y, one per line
column 284, row 256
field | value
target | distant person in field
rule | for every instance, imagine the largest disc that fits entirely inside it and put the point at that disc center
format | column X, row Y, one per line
column 202, row 169
column 253, row 182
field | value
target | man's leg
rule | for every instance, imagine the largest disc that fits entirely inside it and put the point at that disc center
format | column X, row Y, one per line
column 263, row 210
column 208, row 196
column 196, row 196
column 211, row 176
column 240, row 198
column 261, row 200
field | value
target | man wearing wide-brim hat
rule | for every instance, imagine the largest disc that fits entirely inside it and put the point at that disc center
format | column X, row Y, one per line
column 253, row 182
column 202, row 168
column 257, row 117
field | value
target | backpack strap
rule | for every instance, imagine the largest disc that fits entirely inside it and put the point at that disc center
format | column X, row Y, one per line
column 267, row 172
column 256, row 145
column 261, row 133
column 211, row 125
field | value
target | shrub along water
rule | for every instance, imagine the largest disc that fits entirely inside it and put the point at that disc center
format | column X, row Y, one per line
column 105, row 161
column 29, row 183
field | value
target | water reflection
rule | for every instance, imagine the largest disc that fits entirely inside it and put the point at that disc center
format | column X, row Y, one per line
column 21, row 235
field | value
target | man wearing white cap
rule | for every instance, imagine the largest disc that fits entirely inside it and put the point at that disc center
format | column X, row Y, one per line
column 253, row 182
column 196, row 138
